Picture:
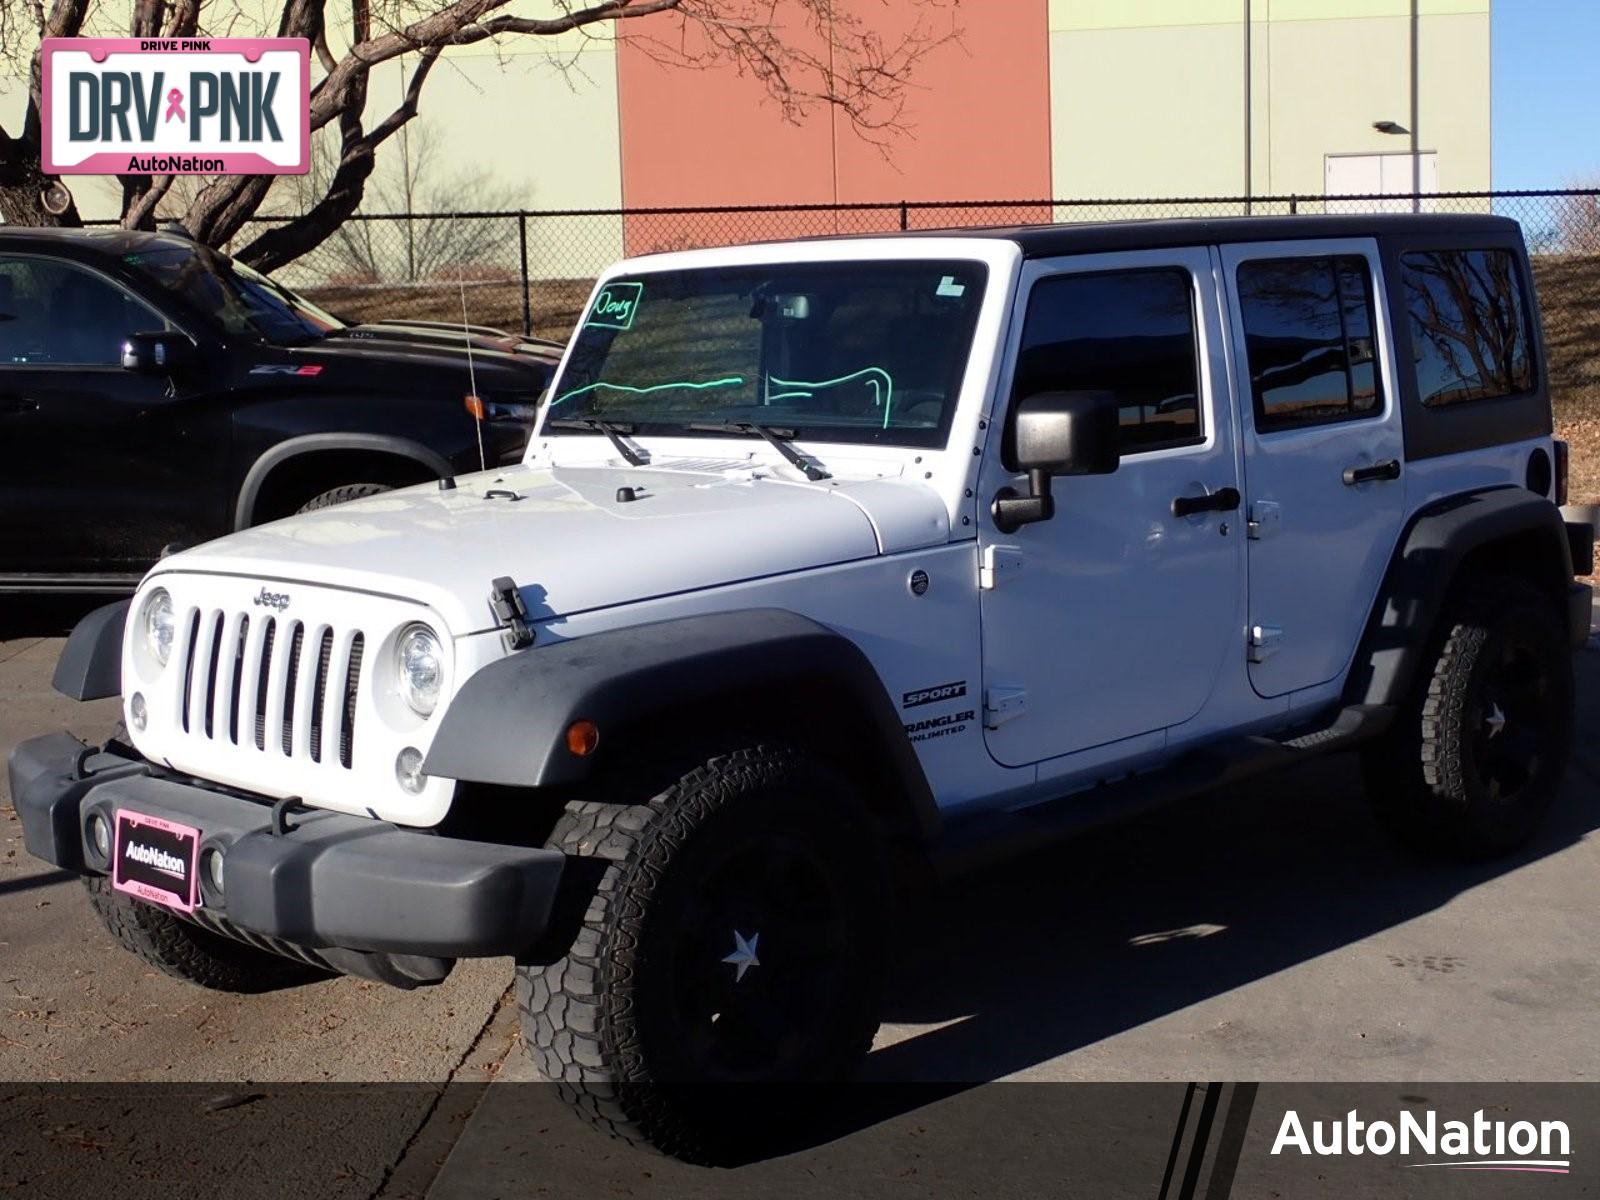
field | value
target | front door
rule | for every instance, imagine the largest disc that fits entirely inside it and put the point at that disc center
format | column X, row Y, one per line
column 101, row 468
column 1323, row 451
column 1116, row 617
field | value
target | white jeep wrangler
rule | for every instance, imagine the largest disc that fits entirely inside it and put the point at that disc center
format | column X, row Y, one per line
column 830, row 557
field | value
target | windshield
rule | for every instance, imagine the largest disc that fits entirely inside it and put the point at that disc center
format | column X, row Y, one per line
column 242, row 301
column 838, row 352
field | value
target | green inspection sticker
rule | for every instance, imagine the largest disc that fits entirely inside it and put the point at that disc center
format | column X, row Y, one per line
column 615, row 305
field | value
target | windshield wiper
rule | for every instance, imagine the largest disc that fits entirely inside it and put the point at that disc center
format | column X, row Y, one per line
column 596, row 425
column 779, row 438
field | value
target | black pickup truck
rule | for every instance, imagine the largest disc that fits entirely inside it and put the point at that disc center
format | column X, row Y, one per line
column 153, row 392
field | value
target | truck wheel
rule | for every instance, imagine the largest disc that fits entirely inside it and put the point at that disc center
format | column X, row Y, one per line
column 737, row 935
column 1477, row 759
column 338, row 495
column 186, row 951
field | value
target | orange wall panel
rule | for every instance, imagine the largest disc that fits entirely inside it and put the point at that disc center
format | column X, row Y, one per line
column 976, row 118
column 977, row 111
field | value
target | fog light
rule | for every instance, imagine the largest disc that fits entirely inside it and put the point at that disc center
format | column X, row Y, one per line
column 213, row 863
column 100, row 835
column 138, row 713
column 408, row 770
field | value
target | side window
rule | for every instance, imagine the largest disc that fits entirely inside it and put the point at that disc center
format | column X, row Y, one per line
column 1469, row 326
column 1308, row 326
column 1127, row 332
column 57, row 314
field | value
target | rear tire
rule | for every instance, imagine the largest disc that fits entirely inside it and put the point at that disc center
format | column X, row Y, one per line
column 1477, row 758
column 737, row 935
column 341, row 494
column 188, row 952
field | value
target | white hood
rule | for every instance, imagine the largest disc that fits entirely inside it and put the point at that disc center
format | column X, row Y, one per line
column 570, row 544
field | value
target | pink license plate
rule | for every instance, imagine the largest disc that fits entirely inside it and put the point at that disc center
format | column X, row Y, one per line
column 156, row 860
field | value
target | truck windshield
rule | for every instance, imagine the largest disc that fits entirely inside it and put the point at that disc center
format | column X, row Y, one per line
column 833, row 352
column 242, row 301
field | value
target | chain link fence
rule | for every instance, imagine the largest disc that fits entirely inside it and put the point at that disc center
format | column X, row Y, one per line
column 531, row 271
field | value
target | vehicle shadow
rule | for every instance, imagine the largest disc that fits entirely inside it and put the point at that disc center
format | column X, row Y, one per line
column 1021, row 964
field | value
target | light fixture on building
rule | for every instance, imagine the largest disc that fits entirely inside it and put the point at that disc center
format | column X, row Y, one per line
column 1389, row 127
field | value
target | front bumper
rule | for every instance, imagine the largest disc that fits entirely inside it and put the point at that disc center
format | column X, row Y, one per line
column 329, row 882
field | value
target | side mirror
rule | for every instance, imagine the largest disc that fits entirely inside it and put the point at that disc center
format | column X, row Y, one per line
column 1050, row 434
column 163, row 353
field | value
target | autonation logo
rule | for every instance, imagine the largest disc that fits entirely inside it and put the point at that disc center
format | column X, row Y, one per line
column 154, row 856
column 1477, row 1145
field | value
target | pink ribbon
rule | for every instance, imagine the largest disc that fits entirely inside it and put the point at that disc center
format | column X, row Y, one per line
column 175, row 105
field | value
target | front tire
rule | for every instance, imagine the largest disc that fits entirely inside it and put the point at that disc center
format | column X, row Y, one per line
column 187, row 952
column 1477, row 759
column 736, row 936
column 342, row 494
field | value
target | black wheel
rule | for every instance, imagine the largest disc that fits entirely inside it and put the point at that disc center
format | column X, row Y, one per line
column 186, row 951
column 338, row 495
column 736, row 938
column 1478, row 758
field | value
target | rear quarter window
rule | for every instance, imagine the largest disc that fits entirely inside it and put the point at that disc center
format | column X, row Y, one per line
column 1308, row 325
column 1468, row 314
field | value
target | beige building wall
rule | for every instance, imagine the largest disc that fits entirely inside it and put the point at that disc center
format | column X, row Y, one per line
column 1150, row 97
column 540, row 122
column 538, row 116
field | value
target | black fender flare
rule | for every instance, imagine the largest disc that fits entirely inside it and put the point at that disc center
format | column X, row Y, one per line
column 507, row 725
column 90, row 666
column 1423, row 569
column 312, row 443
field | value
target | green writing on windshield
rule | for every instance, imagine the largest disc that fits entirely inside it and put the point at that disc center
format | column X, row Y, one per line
column 615, row 305
column 729, row 381
column 876, row 378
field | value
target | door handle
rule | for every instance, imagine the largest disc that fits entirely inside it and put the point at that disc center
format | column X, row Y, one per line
column 1224, row 499
column 18, row 404
column 1389, row 468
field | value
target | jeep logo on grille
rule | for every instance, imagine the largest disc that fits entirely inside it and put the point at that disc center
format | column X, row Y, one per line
column 266, row 599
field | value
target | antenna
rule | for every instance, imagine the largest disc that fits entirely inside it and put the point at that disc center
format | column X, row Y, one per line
column 472, row 375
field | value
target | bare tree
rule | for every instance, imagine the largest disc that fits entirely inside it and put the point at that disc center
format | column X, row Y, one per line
column 412, row 248
column 823, row 55
column 1576, row 227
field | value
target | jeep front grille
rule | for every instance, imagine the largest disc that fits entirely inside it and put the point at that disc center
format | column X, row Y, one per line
column 274, row 684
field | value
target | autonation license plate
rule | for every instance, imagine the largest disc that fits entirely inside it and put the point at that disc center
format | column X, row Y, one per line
column 155, row 860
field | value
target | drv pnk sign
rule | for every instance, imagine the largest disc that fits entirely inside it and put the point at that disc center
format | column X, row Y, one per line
column 176, row 106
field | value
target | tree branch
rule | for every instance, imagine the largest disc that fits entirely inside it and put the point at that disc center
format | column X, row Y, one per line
column 283, row 243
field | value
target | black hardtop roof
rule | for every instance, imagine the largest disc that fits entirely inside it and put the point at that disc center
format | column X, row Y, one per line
column 1048, row 241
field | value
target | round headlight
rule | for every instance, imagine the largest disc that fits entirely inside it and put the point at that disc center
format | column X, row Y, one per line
column 419, row 662
column 160, row 625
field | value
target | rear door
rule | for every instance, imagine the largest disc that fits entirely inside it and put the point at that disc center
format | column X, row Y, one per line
column 1323, row 450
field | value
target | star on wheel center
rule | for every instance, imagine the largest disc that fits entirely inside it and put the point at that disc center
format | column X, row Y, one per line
column 1496, row 720
column 744, row 954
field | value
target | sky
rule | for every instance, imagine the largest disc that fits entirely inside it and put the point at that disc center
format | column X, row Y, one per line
column 1546, row 93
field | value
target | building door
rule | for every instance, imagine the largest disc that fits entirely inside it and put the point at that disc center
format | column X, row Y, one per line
column 1367, row 175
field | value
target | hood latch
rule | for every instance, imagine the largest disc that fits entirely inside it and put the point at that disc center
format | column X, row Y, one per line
column 505, row 601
